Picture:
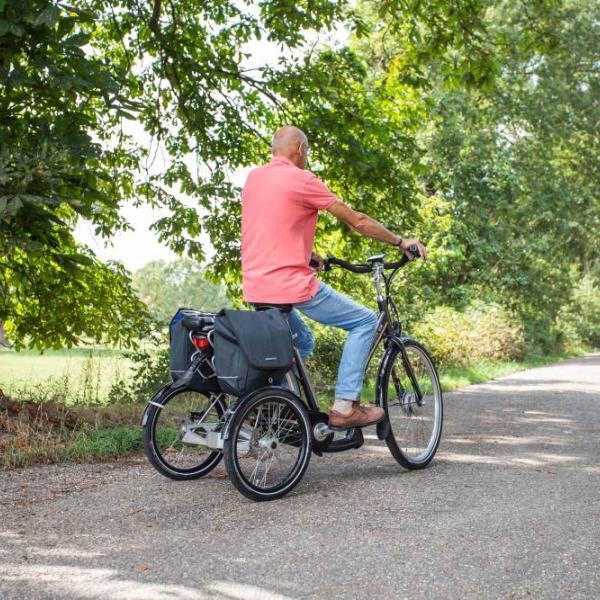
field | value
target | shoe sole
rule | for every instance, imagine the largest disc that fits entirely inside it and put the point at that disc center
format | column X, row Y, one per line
column 346, row 427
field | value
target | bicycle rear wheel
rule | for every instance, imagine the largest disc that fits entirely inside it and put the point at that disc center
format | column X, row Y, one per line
column 414, row 406
column 175, row 429
column 269, row 444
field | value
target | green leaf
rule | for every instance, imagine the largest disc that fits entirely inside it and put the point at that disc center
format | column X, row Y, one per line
column 48, row 17
column 79, row 39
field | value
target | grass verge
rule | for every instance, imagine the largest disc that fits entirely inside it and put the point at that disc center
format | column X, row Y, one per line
column 453, row 378
column 34, row 433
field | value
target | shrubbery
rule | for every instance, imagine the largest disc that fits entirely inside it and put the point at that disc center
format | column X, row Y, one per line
column 324, row 362
column 460, row 339
column 149, row 371
column 455, row 338
column 579, row 321
column 481, row 332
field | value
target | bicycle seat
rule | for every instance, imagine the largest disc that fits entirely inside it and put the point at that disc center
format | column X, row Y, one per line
column 284, row 308
column 378, row 258
column 196, row 322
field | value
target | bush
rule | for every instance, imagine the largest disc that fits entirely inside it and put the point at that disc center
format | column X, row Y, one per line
column 149, row 371
column 461, row 339
column 579, row 321
column 324, row 362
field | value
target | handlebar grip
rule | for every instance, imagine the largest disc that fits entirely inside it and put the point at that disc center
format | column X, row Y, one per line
column 414, row 250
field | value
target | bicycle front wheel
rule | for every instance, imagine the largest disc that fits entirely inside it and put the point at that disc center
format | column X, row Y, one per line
column 412, row 399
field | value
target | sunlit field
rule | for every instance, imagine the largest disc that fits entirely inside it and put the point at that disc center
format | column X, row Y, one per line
column 72, row 376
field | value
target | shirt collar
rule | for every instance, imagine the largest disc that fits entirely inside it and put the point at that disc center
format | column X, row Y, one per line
column 281, row 159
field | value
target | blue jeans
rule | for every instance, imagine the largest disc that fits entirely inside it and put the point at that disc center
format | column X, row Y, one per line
column 332, row 308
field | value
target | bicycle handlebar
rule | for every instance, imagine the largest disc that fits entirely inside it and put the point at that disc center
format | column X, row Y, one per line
column 333, row 261
column 367, row 268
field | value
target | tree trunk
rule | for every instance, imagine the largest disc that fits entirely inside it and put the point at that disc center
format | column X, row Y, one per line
column 3, row 341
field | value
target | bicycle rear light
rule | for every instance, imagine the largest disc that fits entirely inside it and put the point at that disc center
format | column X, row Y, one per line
column 200, row 342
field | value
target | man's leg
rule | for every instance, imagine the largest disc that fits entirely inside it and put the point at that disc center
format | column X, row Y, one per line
column 332, row 308
column 301, row 335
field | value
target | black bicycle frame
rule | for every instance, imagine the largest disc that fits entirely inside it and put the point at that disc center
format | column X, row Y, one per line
column 385, row 329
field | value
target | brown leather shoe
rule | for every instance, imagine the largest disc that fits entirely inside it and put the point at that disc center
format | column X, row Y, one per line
column 359, row 416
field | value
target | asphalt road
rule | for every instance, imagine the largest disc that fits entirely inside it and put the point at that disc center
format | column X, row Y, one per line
column 510, row 508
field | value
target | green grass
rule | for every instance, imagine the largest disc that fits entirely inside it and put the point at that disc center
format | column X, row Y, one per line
column 102, row 443
column 453, row 378
column 76, row 376
column 79, row 446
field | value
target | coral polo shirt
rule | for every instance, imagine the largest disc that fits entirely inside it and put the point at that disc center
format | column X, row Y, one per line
column 280, row 203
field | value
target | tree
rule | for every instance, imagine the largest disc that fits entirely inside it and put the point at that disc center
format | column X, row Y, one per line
column 55, row 100
column 166, row 286
column 71, row 75
column 512, row 162
column 519, row 161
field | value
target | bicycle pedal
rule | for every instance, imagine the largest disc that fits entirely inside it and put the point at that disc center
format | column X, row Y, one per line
column 339, row 429
column 345, row 429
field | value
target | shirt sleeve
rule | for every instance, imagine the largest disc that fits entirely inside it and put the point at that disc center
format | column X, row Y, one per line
column 316, row 195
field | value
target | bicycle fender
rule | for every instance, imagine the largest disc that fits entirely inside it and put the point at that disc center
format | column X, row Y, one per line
column 233, row 408
column 383, row 427
column 154, row 401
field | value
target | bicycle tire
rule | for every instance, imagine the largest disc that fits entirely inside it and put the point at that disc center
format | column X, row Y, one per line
column 154, row 454
column 295, row 408
column 399, row 452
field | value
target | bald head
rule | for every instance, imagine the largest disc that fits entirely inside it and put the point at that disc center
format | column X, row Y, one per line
column 291, row 142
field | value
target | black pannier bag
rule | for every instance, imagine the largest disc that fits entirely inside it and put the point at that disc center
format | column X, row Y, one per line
column 252, row 349
column 181, row 350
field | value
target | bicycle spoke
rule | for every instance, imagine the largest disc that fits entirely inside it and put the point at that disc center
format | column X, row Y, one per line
column 275, row 445
column 184, row 414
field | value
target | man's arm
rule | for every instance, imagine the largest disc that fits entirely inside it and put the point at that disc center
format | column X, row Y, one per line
column 369, row 227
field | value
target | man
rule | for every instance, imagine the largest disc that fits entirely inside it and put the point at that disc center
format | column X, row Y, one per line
column 280, row 204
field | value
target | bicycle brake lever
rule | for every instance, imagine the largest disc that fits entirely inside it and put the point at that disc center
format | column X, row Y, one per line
column 315, row 265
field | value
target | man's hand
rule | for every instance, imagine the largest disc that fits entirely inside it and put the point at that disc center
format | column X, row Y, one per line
column 407, row 242
column 315, row 258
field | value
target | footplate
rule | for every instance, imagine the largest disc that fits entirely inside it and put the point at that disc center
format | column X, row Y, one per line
column 353, row 439
column 204, row 434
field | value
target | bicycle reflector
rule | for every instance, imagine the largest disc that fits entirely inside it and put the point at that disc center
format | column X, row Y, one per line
column 200, row 342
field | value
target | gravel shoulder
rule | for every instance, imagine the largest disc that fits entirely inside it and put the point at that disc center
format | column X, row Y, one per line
column 510, row 508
